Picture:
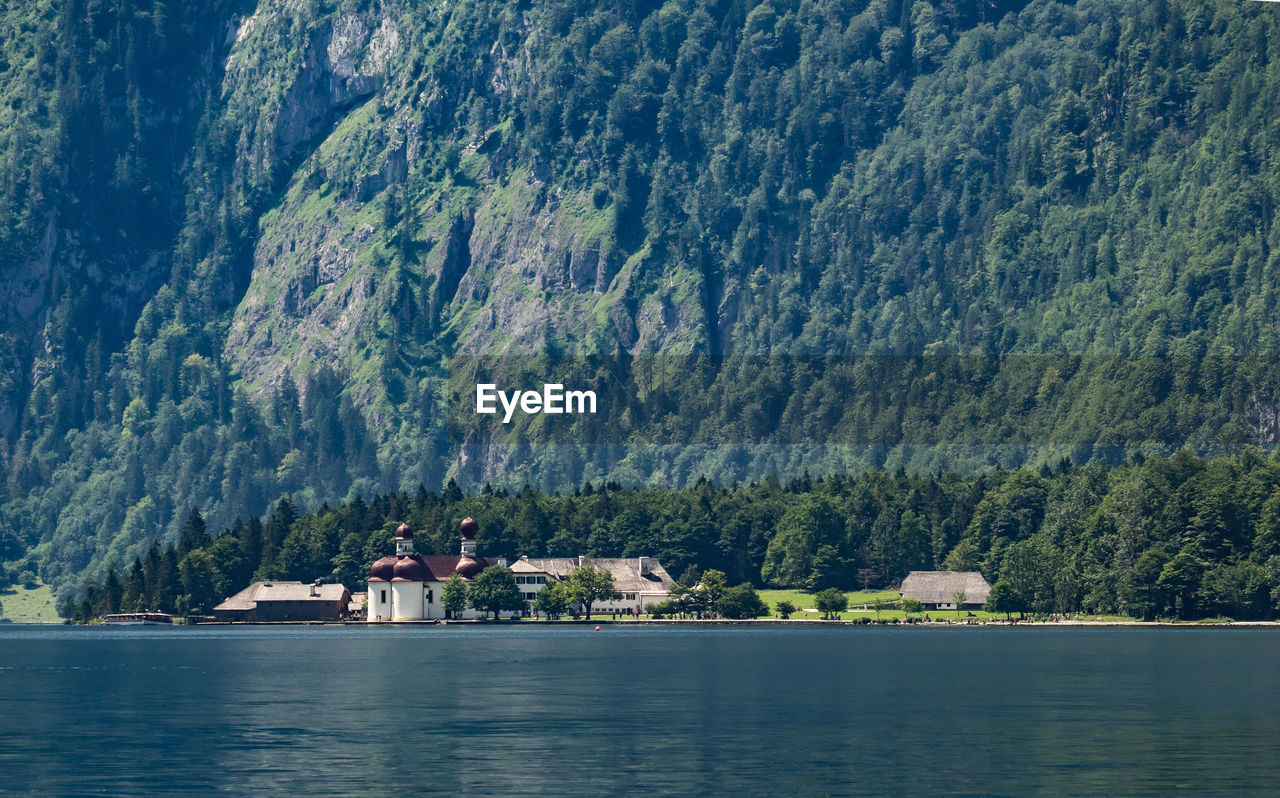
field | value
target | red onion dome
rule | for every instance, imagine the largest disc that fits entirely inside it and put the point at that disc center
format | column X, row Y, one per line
column 468, row 528
column 383, row 570
column 404, row 532
column 467, row 567
column 410, row 569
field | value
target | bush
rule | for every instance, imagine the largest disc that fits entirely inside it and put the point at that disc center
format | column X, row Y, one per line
column 660, row 609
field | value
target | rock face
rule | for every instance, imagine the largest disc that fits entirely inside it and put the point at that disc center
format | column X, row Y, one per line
column 314, row 275
column 344, row 63
column 507, row 266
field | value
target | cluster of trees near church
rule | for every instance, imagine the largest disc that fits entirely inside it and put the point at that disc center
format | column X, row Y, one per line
column 1181, row 536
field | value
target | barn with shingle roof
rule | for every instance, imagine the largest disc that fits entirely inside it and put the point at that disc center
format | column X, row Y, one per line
column 936, row 590
column 286, row 601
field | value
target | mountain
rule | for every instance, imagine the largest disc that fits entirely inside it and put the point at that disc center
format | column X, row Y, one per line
column 259, row 250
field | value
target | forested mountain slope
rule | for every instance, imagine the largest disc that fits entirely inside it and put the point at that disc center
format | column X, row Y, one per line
column 252, row 251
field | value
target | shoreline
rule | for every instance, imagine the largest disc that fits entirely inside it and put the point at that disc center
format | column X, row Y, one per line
column 772, row 622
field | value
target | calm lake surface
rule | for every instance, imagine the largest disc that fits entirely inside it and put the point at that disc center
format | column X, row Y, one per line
column 801, row 710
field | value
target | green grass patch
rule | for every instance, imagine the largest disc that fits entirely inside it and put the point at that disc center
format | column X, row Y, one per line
column 803, row 600
column 28, row 605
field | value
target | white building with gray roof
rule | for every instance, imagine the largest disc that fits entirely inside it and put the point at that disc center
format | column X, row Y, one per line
column 640, row 581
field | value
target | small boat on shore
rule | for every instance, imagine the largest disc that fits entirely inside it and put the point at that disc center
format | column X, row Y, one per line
column 139, row 619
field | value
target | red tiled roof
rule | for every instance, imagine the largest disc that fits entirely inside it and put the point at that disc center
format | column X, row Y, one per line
column 442, row 566
column 434, row 568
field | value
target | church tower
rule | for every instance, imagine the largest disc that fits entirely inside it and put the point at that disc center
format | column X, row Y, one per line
column 468, row 564
column 404, row 540
column 468, row 528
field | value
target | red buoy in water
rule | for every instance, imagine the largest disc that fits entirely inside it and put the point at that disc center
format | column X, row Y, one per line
column 597, row 628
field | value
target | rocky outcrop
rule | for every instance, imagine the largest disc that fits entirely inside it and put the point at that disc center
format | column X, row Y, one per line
column 457, row 259
column 343, row 64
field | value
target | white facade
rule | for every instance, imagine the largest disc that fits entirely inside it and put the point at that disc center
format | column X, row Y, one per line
column 407, row 601
column 636, row 579
column 379, row 602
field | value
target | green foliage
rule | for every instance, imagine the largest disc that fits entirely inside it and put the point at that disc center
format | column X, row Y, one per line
column 553, row 600
column 789, row 560
column 1100, row 543
column 830, row 602
column 1004, row 597
column 1180, row 581
column 740, row 602
column 713, row 586
column 660, row 610
column 587, row 584
column 453, row 596
column 785, row 609
column 1140, row 594
column 495, row 590
column 913, row 606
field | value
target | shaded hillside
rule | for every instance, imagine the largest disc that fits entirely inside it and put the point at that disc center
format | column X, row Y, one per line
column 776, row 235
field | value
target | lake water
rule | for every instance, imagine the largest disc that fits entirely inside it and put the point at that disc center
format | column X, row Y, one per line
column 550, row 711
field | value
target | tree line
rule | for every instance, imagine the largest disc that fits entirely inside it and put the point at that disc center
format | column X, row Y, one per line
column 1181, row 536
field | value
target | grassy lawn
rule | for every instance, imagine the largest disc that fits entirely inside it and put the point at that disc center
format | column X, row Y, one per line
column 857, row 600
column 860, row 598
column 23, row 605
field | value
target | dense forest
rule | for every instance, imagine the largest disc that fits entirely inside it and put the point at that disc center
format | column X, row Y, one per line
column 1178, row 537
column 258, row 250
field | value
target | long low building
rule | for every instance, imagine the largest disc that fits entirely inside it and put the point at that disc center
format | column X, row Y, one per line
column 937, row 590
column 286, row 601
column 640, row 581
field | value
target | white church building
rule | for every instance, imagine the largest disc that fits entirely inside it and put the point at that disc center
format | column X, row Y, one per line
column 410, row 587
